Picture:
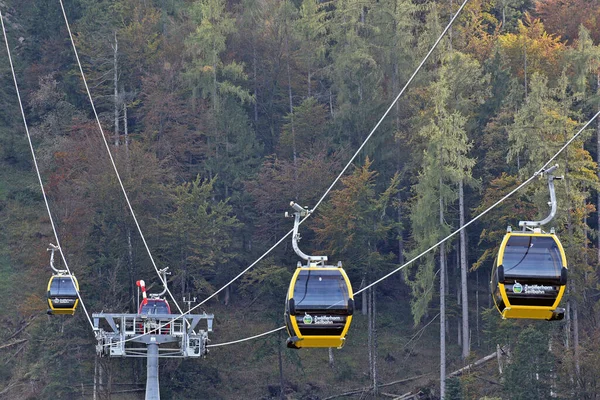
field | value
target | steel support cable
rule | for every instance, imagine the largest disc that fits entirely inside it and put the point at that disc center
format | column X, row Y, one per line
column 37, row 170
column 538, row 172
column 357, row 152
column 246, row 339
column 112, row 161
column 157, row 329
column 541, row 170
column 385, row 114
column 430, row 248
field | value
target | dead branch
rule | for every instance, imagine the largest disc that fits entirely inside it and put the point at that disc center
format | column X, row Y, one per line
column 356, row 391
column 4, row 346
column 472, row 365
column 33, row 317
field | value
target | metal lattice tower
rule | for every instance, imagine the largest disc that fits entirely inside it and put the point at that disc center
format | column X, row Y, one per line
column 120, row 335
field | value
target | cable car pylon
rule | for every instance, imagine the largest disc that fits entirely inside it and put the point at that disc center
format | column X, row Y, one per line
column 164, row 335
column 530, row 272
column 319, row 303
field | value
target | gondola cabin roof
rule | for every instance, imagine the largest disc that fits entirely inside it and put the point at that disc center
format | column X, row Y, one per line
column 155, row 306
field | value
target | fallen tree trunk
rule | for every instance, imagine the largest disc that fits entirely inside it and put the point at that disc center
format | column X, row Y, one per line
column 362, row 390
column 472, row 365
column 451, row 375
column 12, row 343
column 22, row 328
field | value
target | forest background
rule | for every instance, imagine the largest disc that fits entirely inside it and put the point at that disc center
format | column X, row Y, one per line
column 219, row 113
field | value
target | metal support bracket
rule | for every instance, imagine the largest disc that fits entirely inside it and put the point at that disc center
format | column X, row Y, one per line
column 551, row 203
column 121, row 334
column 52, row 249
column 164, row 274
column 302, row 212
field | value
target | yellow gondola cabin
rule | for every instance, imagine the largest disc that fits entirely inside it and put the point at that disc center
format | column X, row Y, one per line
column 62, row 294
column 529, row 276
column 319, row 307
column 319, row 303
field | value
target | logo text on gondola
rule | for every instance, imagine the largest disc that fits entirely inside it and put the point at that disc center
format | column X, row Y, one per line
column 537, row 289
column 321, row 319
column 531, row 289
column 63, row 301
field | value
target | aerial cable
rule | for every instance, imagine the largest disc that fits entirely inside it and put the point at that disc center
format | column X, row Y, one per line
column 246, row 339
column 541, row 170
column 211, row 296
column 112, row 161
column 389, row 109
column 419, row 333
column 37, row 170
column 385, row 114
column 537, row 173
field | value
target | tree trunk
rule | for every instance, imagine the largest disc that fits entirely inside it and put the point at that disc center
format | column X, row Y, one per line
column 95, row 395
column 395, row 69
column 499, row 354
column 280, row 358
column 215, row 106
column 576, row 341
column 100, row 377
column 450, row 30
column 598, row 160
column 568, row 325
column 291, row 107
column 364, row 310
column 466, row 345
column 331, row 103
column 125, row 130
column 400, row 239
column 255, row 72
column 227, row 295
column 459, row 331
column 369, row 331
column 374, row 329
column 477, row 306
column 525, row 66
column 331, row 358
column 442, row 308
column 116, row 89
column 130, row 267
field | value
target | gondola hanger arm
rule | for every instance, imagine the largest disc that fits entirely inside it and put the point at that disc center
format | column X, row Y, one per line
column 302, row 212
column 552, row 203
column 164, row 274
column 52, row 249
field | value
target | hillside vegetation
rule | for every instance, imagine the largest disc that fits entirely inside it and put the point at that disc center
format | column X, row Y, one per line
column 218, row 114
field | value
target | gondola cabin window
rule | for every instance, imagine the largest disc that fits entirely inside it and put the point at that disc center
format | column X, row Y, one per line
column 63, row 287
column 155, row 307
column 530, row 257
column 321, row 290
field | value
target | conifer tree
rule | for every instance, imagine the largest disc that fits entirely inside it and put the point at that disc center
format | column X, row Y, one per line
column 200, row 237
column 445, row 164
column 231, row 147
